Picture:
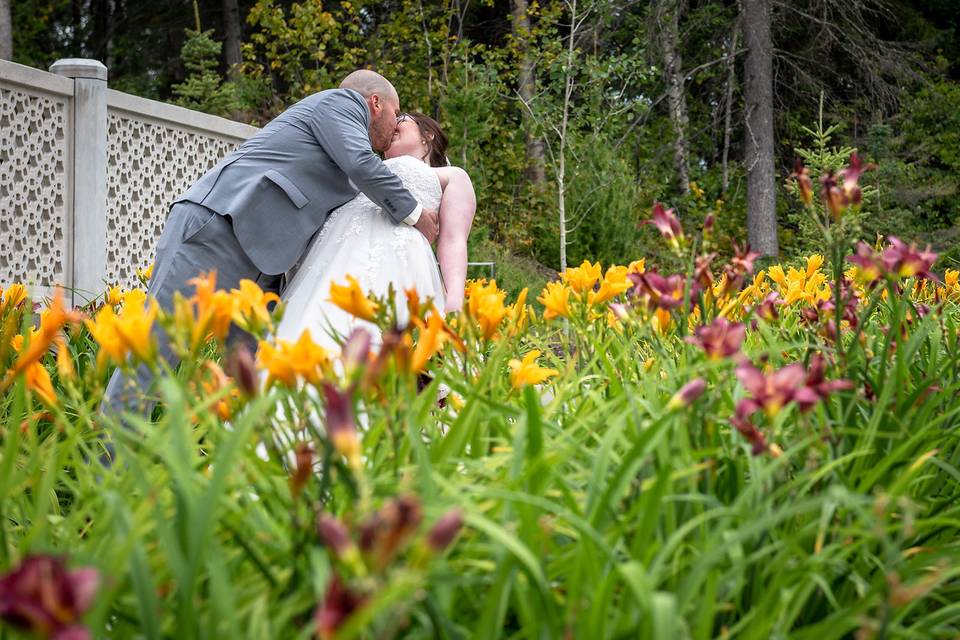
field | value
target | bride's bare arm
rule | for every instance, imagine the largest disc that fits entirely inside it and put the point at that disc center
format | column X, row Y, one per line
column 457, row 207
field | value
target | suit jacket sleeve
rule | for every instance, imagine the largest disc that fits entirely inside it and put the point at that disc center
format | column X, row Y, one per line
column 340, row 127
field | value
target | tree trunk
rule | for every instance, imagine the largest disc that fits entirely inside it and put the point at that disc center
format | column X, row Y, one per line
column 758, row 112
column 728, row 104
column 6, row 31
column 668, row 30
column 231, row 37
column 536, row 163
column 100, row 38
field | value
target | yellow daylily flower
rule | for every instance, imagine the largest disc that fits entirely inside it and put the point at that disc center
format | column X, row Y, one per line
column 614, row 283
column 113, row 296
column 13, row 296
column 145, row 274
column 135, row 324
column 556, row 300
column 127, row 332
column 251, row 302
column 637, row 266
column 582, row 278
column 528, row 371
column 352, row 300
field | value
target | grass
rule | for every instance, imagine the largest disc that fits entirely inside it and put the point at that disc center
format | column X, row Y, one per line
column 594, row 504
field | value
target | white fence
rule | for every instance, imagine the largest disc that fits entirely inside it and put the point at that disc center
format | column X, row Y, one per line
column 87, row 175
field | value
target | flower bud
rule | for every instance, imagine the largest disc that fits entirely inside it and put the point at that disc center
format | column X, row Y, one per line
column 333, row 534
column 445, row 530
column 304, row 459
column 687, row 394
column 243, row 370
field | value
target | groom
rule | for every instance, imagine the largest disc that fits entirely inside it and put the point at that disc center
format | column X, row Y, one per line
column 252, row 215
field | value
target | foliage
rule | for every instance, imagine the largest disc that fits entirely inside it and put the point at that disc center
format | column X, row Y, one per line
column 203, row 88
column 659, row 453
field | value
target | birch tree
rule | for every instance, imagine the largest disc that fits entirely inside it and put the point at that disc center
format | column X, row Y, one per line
column 667, row 19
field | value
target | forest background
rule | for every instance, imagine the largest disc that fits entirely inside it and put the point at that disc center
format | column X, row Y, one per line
column 574, row 116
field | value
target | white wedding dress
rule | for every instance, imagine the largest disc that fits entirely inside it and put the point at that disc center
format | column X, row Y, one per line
column 358, row 239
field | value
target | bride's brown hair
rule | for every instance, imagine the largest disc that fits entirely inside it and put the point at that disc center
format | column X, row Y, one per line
column 436, row 140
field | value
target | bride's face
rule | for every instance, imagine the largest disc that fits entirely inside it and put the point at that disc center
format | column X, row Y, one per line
column 407, row 141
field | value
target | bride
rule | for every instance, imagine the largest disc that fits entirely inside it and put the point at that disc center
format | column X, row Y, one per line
column 359, row 240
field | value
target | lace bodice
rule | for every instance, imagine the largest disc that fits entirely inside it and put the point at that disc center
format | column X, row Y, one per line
column 419, row 179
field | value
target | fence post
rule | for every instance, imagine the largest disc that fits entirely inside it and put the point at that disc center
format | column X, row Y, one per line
column 89, row 174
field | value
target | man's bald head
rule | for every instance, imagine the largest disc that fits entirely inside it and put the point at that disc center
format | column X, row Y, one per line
column 382, row 102
column 368, row 83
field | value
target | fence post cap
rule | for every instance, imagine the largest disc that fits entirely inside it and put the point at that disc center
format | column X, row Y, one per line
column 80, row 68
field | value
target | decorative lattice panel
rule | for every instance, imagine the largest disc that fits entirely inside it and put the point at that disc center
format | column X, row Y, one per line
column 33, row 178
column 148, row 165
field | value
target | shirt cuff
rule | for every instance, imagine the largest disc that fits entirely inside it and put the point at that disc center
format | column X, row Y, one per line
column 414, row 217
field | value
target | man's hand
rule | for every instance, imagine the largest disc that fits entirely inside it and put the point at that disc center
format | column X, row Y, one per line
column 429, row 224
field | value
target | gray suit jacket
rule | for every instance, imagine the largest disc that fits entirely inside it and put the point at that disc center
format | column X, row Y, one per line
column 279, row 186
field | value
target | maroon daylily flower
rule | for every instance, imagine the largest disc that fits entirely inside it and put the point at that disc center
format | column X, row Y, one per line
column 43, row 597
column 833, row 196
column 660, row 292
column 383, row 534
column 742, row 261
column 767, row 309
column 850, row 175
column 719, row 339
column 339, row 603
column 701, row 270
column 742, row 423
column 667, row 223
column 816, row 387
column 771, row 392
column 906, row 261
column 896, row 260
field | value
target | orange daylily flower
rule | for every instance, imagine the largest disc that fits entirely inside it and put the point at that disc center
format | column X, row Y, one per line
column 485, row 306
column 52, row 321
column 215, row 309
column 352, row 300
column 287, row 362
column 38, row 381
column 433, row 335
